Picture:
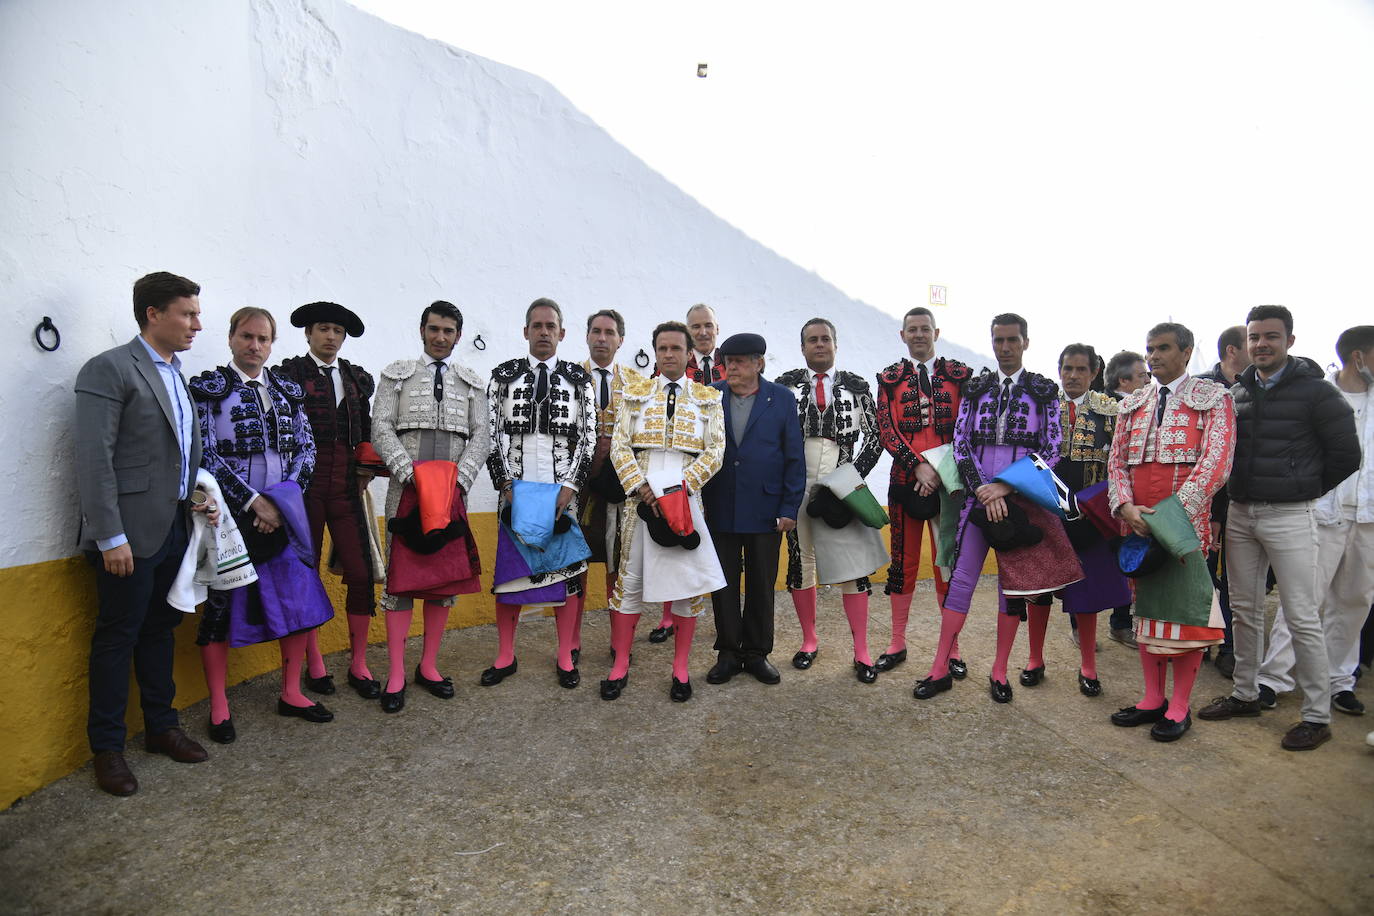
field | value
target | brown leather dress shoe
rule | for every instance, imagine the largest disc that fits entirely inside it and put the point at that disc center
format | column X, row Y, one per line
column 176, row 744
column 113, row 775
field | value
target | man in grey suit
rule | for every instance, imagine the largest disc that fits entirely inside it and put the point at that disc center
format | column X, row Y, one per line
column 137, row 450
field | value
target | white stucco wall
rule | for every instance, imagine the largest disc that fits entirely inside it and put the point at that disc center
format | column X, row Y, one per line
column 283, row 151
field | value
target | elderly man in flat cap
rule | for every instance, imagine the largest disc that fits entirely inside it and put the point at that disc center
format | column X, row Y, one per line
column 337, row 401
column 750, row 504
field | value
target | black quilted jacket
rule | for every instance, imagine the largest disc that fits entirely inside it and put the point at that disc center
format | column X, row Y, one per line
column 1294, row 441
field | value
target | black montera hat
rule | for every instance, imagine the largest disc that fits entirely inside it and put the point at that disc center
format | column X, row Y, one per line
column 307, row 315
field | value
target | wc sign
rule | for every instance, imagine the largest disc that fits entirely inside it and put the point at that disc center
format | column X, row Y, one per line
column 937, row 295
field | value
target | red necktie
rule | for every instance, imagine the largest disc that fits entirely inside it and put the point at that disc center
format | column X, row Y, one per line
column 820, row 391
column 1073, row 415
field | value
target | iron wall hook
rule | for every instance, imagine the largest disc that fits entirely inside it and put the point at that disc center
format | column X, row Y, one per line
column 44, row 327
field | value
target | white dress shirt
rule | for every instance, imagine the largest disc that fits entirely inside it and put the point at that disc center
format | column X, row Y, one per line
column 336, row 376
column 536, row 448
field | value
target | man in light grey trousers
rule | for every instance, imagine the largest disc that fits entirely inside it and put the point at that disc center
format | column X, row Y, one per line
column 1295, row 441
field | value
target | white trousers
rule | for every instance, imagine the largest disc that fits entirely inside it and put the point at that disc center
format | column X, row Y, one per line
column 822, row 457
column 1345, row 573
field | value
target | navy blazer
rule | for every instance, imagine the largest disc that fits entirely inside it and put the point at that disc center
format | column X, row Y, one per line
column 763, row 478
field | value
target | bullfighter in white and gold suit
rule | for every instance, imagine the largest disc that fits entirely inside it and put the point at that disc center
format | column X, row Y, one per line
column 667, row 427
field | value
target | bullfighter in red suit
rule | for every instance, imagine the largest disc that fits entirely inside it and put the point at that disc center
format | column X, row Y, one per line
column 704, row 364
column 1173, row 438
column 918, row 400
column 337, row 396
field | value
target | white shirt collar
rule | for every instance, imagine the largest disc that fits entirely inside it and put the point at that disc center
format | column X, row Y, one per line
column 262, row 374
column 916, row 364
column 321, row 363
column 1172, row 386
column 428, row 361
column 547, row 363
column 1015, row 379
column 829, row 374
column 663, row 381
column 1078, row 401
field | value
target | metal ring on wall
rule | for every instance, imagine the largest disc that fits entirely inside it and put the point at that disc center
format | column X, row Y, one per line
column 479, row 343
column 642, row 359
column 44, row 326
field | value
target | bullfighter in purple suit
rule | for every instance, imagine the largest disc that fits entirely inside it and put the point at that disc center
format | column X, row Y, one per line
column 1004, row 416
column 257, row 444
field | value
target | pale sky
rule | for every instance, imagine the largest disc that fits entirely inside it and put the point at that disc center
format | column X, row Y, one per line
column 1096, row 166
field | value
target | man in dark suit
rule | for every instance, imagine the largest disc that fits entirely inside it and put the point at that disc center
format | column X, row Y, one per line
column 137, row 450
column 750, row 504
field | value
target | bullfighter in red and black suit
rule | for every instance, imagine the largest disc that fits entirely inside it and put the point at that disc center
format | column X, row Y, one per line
column 337, row 396
column 918, row 400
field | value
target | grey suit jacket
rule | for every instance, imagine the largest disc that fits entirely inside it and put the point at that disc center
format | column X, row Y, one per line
column 126, row 450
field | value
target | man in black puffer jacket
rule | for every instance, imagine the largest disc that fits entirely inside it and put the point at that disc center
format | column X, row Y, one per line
column 1295, row 440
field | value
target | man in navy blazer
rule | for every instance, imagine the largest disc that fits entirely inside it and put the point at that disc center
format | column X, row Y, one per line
column 749, row 504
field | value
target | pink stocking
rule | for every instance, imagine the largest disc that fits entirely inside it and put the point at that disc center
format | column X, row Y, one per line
column 1153, row 666
column 622, row 634
column 215, row 659
column 951, row 622
column 1038, row 619
column 1185, row 672
column 436, row 621
column 507, row 616
column 580, row 603
column 313, row 659
column 666, row 620
column 565, row 622
column 856, row 609
column 292, row 657
column 901, row 610
column 804, row 600
column 1007, row 625
column 1087, row 644
column 682, row 645
column 397, row 630
column 358, row 627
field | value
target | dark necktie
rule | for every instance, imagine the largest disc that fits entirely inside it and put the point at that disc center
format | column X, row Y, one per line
column 820, row 391
column 672, row 399
column 1004, row 398
column 924, row 382
column 706, row 370
column 438, row 381
column 1163, row 400
column 329, row 379
column 605, row 400
column 255, row 386
column 541, row 386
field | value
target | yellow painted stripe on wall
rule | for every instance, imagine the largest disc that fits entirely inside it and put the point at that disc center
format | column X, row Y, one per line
column 48, row 637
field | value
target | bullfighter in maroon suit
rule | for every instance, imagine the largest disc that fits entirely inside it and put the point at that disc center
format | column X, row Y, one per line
column 337, row 396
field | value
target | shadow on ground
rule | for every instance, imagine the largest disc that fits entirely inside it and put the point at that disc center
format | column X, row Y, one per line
column 820, row 794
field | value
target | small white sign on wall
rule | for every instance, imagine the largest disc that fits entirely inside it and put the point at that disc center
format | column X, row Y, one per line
column 938, row 295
